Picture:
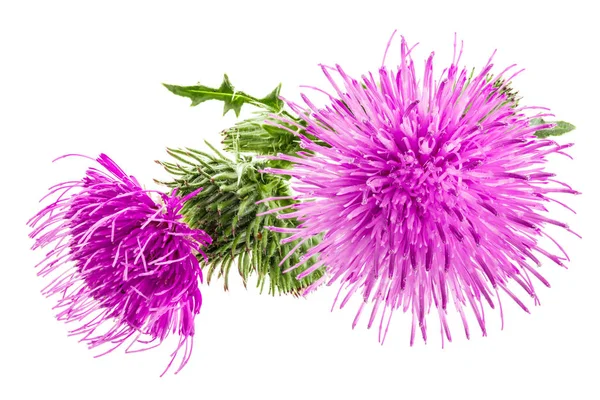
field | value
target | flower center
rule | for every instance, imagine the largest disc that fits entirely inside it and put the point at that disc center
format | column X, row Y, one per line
column 420, row 179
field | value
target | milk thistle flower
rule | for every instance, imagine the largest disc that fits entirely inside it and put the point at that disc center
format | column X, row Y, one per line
column 429, row 194
column 123, row 266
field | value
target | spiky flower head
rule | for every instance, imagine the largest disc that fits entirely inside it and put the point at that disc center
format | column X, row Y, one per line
column 231, row 209
column 430, row 194
column 123, row 266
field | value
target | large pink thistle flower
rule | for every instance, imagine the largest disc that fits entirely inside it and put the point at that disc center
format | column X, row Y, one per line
column 429, row 194
column 124, row 266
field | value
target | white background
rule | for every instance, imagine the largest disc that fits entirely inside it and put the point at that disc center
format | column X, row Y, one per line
column 83, row 78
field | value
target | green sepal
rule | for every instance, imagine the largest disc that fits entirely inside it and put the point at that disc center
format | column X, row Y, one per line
column 232, row 99
column 561, row 127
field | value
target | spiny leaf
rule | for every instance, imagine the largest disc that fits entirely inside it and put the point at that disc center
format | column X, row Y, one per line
column 232, row 99
column 272, row 100
column 561, row 128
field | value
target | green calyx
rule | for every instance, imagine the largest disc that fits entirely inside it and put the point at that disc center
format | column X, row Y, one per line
column 227, row 210
column 263, row 135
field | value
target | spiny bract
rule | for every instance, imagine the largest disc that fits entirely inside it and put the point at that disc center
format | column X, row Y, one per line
column 230, row 209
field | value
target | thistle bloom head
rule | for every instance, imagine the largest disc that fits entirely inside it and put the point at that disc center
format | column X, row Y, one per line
column 430, row 193
column 123, row 266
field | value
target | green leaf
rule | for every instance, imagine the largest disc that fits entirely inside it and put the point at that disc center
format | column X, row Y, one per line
column 561, row 128
column 232, row 99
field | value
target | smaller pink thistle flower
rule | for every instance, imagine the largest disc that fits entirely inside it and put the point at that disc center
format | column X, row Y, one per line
column 124, row 266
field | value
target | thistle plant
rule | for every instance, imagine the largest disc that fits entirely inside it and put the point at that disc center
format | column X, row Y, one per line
column 413, row 194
